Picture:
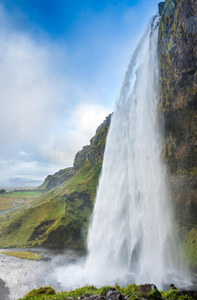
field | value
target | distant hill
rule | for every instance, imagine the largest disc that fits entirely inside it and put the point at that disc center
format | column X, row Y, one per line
column 60, row 217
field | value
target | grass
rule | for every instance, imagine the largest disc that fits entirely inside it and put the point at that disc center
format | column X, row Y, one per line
column 6, row 200
column 22, row 194
column 60, row 216
column 23, row 255
column 21, row 227
column 132, row 291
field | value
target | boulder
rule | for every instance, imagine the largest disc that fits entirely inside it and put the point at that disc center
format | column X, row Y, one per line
column 150, row 292
column 192, row 294
column 113, row 294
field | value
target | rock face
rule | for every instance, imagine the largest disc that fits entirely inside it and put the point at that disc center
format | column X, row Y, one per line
column 60, row 217
column 92, row 153
column 178, row 83
column 95, row 151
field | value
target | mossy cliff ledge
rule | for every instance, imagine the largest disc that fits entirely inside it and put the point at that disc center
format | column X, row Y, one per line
column 59, row 218
column 131, row 292
column 178, row 104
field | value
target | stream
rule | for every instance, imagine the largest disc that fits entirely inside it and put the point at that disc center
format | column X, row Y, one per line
column 13, row 208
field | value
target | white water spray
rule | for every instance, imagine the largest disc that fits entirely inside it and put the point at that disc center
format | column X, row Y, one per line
column 132, row 219
column 128, row 239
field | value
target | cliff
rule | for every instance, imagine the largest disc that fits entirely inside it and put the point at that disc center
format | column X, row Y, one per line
column 92, row 153
column 60, row 217
column 178, row 86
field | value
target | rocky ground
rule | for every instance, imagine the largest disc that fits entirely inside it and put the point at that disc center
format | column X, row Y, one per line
column 146, row 291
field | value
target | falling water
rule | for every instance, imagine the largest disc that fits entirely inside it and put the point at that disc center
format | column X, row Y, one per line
column 130, row 237
column 132, row 219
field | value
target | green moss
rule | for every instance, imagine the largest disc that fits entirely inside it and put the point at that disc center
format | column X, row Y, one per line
column 193, row 171
column 172, row 295
column 191, row 247
column 154, row 295
column 35, row 294
column 23, row 255
column 131, row 291
column 59, row 217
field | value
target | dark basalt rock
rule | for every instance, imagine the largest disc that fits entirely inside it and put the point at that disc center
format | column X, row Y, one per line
column 147, row 288
column 192, row 294
column 4, row 291
column 177, row 112
column 150, row 292
column 113, row 294
column 161, row 7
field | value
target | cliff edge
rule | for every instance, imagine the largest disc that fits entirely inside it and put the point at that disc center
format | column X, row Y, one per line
column 178, row 108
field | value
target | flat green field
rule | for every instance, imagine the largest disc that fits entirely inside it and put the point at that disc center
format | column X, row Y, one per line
column 12, row 199
column 21, row 194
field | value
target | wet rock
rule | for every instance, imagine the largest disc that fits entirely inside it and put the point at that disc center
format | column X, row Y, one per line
column 150, row 292
column 192, row 294
column 4, row 291
column 145, row 289
column 101, row 298
column 113, row 294
column 172, row 287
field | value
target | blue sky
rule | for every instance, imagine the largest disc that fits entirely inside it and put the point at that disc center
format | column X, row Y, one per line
column 62, row 66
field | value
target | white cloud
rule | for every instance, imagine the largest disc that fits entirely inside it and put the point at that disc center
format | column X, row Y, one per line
column 42, row 121
column 29, row 91
column 83, row 121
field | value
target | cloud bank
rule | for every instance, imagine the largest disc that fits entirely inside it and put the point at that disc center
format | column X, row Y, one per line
column 41, row 128
column 59, row 80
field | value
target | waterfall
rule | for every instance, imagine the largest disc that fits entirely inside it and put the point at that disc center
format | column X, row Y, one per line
column 130, row 238
column 132, row 219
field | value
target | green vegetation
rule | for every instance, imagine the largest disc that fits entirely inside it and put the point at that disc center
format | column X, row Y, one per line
column 23, row 255
column 172, row 295
column 22, row 193
column 2, row 191
column 39, row 292
column 190, row 245
column 59, row 216
column 57, row 179
column 12, row 199
column 132, row 291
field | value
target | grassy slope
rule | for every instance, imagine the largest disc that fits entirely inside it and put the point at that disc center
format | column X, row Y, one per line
column 60, row 216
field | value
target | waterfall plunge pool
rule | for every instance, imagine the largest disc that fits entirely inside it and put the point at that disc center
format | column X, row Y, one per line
column 19, row 276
